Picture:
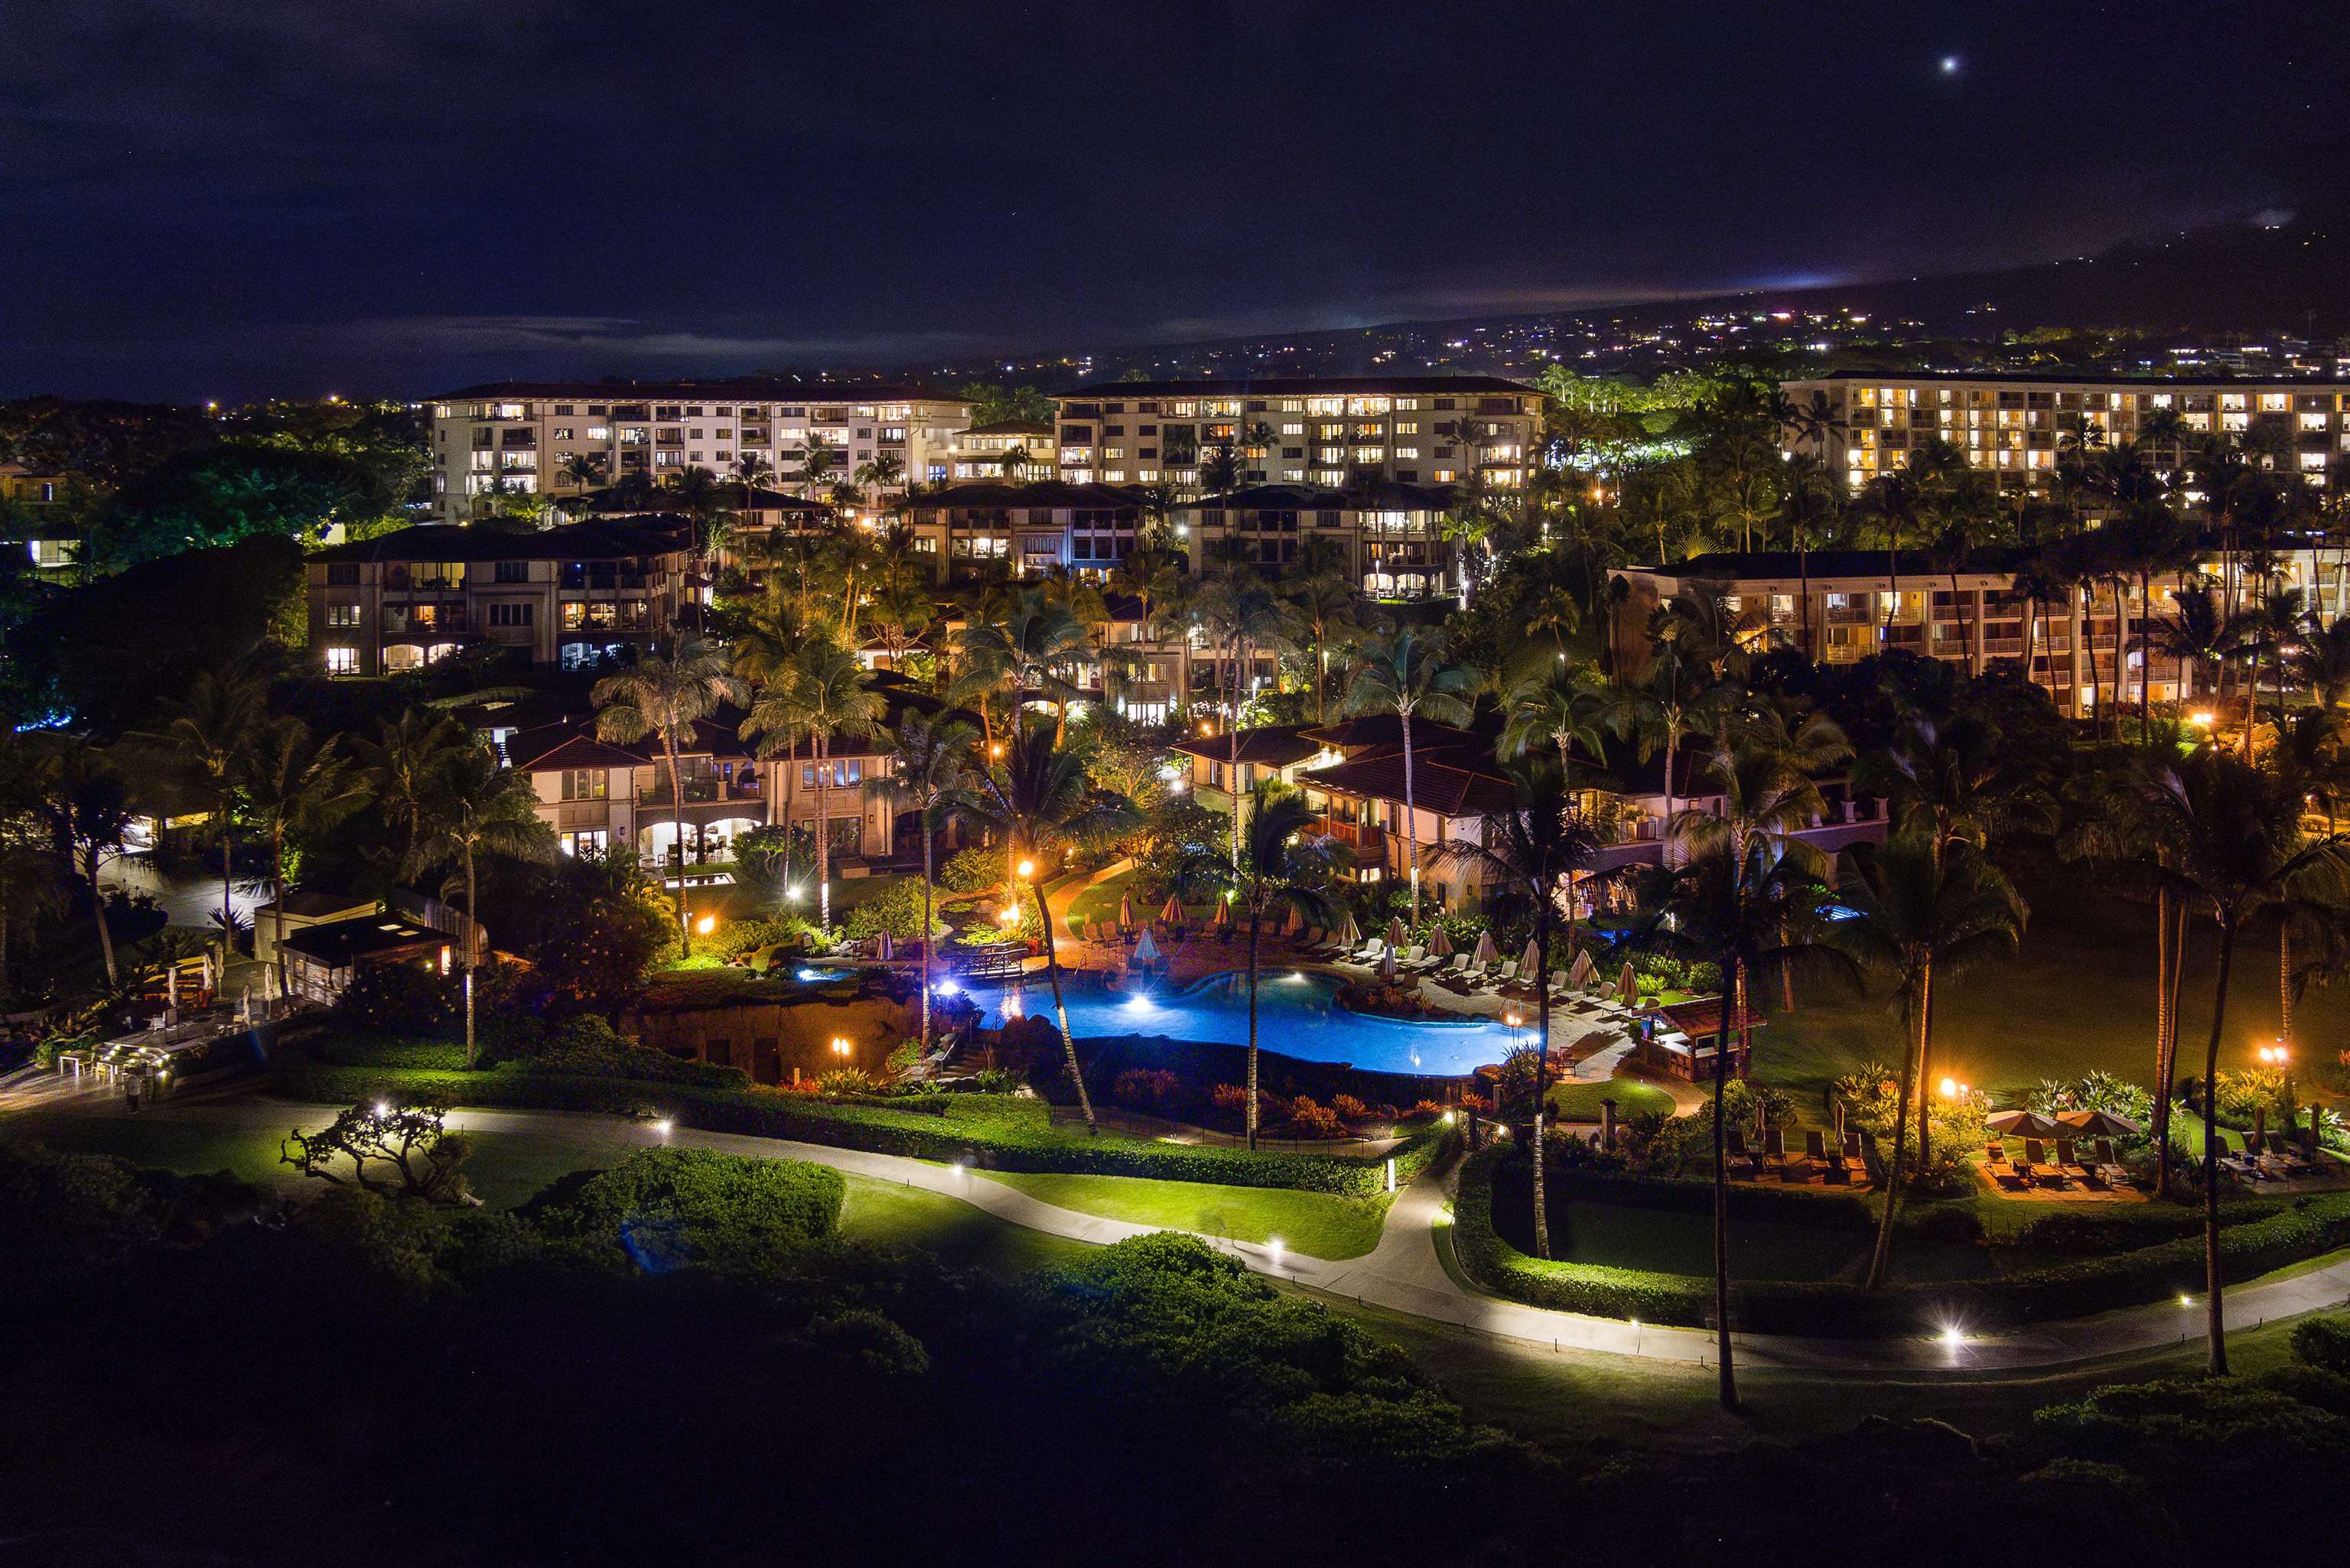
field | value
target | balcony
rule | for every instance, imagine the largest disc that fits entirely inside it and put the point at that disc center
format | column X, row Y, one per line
column 702, row 789
column 1368, row 841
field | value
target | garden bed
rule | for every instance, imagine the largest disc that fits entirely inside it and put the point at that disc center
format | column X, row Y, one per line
column 2263, row 1238
column 989, row 1131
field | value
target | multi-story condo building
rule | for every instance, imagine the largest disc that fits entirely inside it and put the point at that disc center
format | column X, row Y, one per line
column 598, row 795
column 570, row 595
column 982, row 453
column 2013, row 426
column 1326, row 432
column 561, row 437
column 1844, row 605
column 1390, row 535
column 1027, row 528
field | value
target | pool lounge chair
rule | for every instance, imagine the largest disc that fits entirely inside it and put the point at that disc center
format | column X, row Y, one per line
column 1815, row 1149
column 1995, row 1165
column 2111, row 1171
column 1369, row 951
column 1736, row 1157
column 2068, row 1161
column 2035, row 1161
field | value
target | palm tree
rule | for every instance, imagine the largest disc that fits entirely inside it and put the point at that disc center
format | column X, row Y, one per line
column 751, row 470
column 928, row 761
column 1921, row 907
column 1034, row 647
column 1245, row 613
column 2322, row 663
column 479, row 805
column 766, row 647
column 2273, row 620
column 1403, row 671
column 1282, row 868
column 882, row 471
column 1747, row 884
column 294, row 784
column 829, row 695
column 1955, row 782
column 1040, row 798
column 2231, row 841
column 665, row 695
column 1558, row 706
column 87, row 801
column 583, row 470
column 398, row 765
column 2198, row 632
column 817, row 462
column 198, row 751
column 1529, row 850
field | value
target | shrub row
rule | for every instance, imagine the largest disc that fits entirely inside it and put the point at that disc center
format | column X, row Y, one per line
column 991, row 1133
column 2305, row 1230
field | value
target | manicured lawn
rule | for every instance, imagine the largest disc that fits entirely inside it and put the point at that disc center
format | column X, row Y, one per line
column 1580, row 1102
column 1099, row 902
column 956, row 1232
column 2080, row 995
column 1314, row 1223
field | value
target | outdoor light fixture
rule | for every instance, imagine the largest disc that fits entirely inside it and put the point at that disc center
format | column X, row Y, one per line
column 2200, row 720
column 1949, row 1088
column 382, row 1108
column 661, row 1126
column 1953, row 1337
column 793, row 893
column 840, row 1045
column 1027, row 870
column 705, row 925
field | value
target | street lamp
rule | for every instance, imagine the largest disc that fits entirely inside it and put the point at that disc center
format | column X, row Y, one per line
column 840, row 1047
column 1027, row 870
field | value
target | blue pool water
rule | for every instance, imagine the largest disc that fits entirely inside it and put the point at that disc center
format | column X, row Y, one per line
column 1297, row 1014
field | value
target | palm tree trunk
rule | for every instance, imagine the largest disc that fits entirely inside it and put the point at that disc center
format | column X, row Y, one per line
column 2163, row 960
column 1925, row 1066
column 2215, row 1323
column 927, row 940
column 277, row 890
column 1256, row 918
column 2088, row 650
column 823, row 749
column 1061, row 1014
column 98, row 914
column 465, row 935
column 228, row 919
column 1411, row 817
column 677, row 822
column 2284, row 980
column 1803, row 587
column 1542, row 1066
column 2168, row 1067
column 1881, row 1260
column 2146, row 681
column 1232, row 748
column 1728, row 1381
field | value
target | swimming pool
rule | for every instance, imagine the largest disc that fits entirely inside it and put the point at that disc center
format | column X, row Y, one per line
column 1297, row 1014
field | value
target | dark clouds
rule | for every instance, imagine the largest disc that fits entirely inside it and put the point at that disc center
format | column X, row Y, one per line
column 230, row 197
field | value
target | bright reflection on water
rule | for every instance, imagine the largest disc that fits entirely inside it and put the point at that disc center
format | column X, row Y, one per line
column 1297, row 1015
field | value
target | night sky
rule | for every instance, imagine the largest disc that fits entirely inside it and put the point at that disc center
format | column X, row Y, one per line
column 225, row 198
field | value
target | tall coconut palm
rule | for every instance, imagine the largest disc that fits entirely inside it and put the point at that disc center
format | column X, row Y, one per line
column 830, row 695
column 766, row 647
column 1245, row 613
column 2321, row 661
column 1564, row 708
column 1922, row 909
column 1038, row 796
column 477, row 807
column 398, row 766
column 884, row 471
column 1956, row 781
column 197, row 751
column 1403, row 671
column 1034, row 647
column 87, row 800
column 818, row 463
column 295, row 784
column 929, row 764
column 1747, row 896
column 665, row 695
column 1528, row 851
column 1284, row 869
column 1322, row 604
column 2231, row 841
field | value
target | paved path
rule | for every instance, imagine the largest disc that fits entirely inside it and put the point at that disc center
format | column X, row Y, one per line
column 1405, row 1272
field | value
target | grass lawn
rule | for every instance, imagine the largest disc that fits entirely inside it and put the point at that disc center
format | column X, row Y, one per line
column 2079, row 995
column 958, row 1233
column 1314, row 1223
column 1099, row 902
column 1580, row 1102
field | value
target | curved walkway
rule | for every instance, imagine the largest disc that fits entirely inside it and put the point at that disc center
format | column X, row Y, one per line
column 1407, row 1273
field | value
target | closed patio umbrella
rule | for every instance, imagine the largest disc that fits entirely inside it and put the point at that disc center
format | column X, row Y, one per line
column 1439, row 944
column 1125, row 912
column 1627, row 984
column 1223, row 911
column 1395, row 931
column 888, row 949
column 1388, row 964
column 1172, row 912
column 2101, row 1124
column 2022, row 1124
column 1585, row 971
column 1145, row 951
column 1349, row 933
column 1486, row 951
column 1295, row 924
column 1531, row 960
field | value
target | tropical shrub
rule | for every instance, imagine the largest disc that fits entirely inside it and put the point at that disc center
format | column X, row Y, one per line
column 671, row 1208
column 1149, row 1089
column 973, row 870
column 1309, row 1119
column 896, row 908
column 846, row 1081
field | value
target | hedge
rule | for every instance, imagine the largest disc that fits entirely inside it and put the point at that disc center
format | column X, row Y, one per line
column 992, row 1133
column 2306, row 1229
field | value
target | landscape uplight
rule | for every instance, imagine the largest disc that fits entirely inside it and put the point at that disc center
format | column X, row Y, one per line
column 661, row 1126
column 1954, row 1337
column 2200, row 720
column 840, row 1045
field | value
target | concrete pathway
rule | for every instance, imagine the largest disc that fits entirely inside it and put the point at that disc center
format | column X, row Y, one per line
column 1405, row 1272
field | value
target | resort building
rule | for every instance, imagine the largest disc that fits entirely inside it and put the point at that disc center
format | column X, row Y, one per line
column 1005, row 451
column 597, row 794
column 1323, row 432
column 1843, row 606
column 2012, row 426
column 1027, row 529
column 561, row 437
column 1389, row 534
column 569, row 597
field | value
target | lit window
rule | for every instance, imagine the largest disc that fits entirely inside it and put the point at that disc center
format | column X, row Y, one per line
column 342, row 661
